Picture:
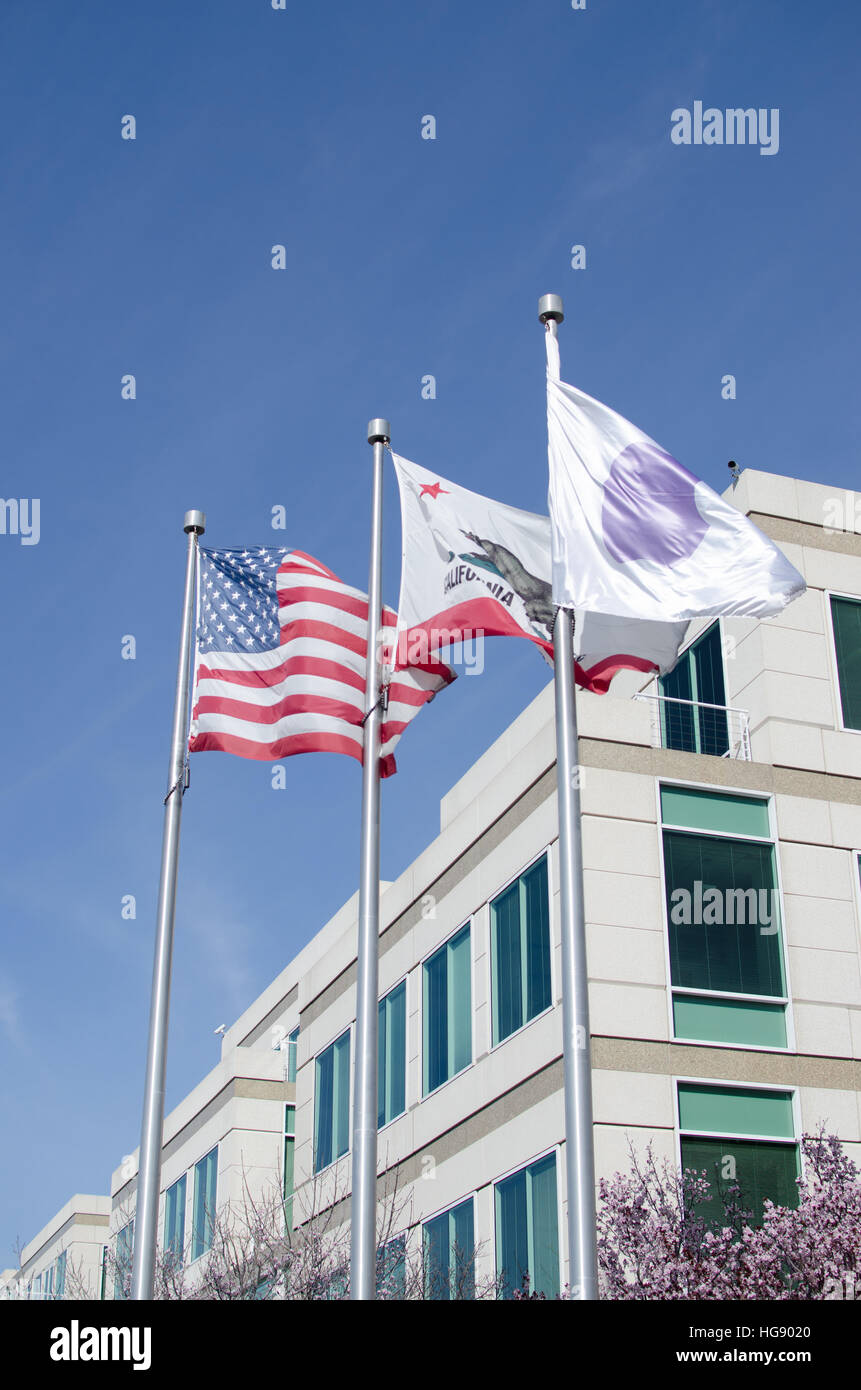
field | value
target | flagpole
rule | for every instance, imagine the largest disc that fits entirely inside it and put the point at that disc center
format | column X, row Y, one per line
column 577, row 1058
column 363, row 1226
column 152, row 1127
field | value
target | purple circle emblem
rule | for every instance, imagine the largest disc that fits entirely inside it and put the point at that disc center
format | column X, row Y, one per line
column 650, row 511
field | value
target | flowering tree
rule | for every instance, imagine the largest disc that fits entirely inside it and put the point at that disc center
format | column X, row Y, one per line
column 257, row 1253
column 654, row 1242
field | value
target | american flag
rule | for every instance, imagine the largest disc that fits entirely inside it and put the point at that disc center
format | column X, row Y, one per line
column 280, row 660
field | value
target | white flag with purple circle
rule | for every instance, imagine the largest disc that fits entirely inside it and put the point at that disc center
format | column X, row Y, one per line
column 636, row 535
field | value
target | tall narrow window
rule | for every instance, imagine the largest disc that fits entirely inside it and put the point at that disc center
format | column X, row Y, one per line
column 846, row 621
column 289, row 1161
column 205, row 1177
column 292, row 1049
column 332, row 1103
column 694, row 685
column 123, row 1260
column 174, row 1221
column 527, row 1234
column 520, row 951
column 447, row 1011
column 60, row 1281
column 449, row 1254
column 392, row 1269
column 740, row 1138
column 392, row 1055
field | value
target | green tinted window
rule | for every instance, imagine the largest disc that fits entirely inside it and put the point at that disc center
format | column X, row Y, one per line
column 846, row 620
column 736, row 1110
column 695, row 684
column 174, row 1219
column 744, row 1021
column 447, row 1011
column 723, row 914
column 761, row 1171
column 527, row 1233
column 520, row 951
column 719, row 811
column 332, row 1103
column 449, row 1254
column 392, row 1055
column 205, row 1177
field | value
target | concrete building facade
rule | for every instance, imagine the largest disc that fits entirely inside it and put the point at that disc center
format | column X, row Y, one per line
column 722, row 845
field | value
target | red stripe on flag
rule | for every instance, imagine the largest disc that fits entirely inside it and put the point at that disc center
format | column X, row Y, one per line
column 325, row 632
column 285, row 747
column 291, row 666
column 487, row 617
column 597, row 678
column 475, row 617
column 344, row 603
column 270, row 714
column 294, row 555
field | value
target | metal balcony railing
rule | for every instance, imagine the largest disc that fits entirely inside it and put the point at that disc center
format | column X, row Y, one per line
column 694, row 727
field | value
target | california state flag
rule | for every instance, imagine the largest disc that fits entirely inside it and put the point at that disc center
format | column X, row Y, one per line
column 473, row 567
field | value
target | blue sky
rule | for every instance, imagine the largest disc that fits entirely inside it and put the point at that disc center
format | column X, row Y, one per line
column 404, row 257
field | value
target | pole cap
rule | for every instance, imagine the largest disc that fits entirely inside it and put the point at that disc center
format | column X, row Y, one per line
column 550, row 307
column 196, row 522
column 379, row 431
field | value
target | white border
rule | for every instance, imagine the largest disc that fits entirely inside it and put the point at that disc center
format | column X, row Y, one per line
column 791, row 1089
column 855, row 855
column 420, row 965
column 491, row 1045
column 403, row 979
column 773, row 840
column 556, row 1150
column 315, row 1172
column 836, row 696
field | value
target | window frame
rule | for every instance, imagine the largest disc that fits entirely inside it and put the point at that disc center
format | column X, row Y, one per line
column 193, row 1169
column 349, row 1030
column 404, row 980
column 470, row 1197
column 561, row 1230
column 129, row 1226
column 60, row 1264
column 837, row 696
column 530, row 863
column 794, row 1091
column 188, row 1172
column 287, row 1198
column 399, row 1238
column 671, row 990
column 183, row 1177
column 469, row 923
column 684, row 652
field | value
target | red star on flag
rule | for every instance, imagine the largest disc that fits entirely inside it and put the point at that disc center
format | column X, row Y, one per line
column 433, row 490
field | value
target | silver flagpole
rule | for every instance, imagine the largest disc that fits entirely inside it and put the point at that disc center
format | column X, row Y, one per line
column 152, row 1127
column 363, row 1227
column 577, row 1053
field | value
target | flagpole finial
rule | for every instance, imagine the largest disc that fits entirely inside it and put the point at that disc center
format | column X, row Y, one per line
column 379, row 432
column 196, row 522
column 550, row 307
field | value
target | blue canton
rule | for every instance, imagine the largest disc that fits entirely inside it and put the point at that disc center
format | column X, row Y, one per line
column 239, row 600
